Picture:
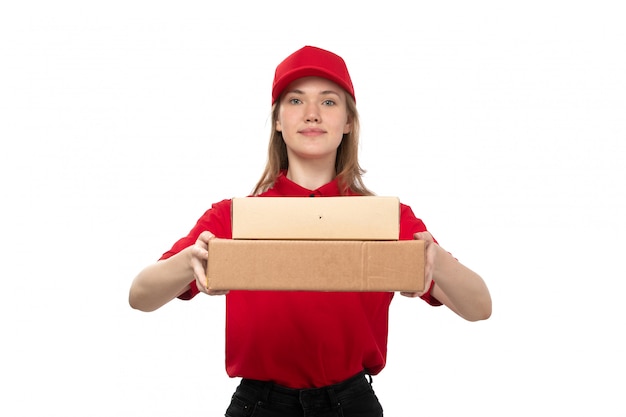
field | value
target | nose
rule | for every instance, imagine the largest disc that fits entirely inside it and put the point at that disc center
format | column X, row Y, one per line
column 312, row 114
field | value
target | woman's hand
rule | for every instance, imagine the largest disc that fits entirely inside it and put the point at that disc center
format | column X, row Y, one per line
column 457, row 287
column 430, row 253
column 199, row 257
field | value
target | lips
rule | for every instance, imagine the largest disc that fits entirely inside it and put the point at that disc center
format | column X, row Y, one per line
column 312, row 131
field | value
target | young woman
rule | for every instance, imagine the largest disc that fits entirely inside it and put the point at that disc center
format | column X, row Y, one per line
column 307, row 353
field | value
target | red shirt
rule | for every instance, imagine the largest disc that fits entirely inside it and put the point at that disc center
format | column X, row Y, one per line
column 301, row 339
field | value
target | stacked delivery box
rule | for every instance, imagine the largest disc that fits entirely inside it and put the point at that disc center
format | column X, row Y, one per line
column 316, row 244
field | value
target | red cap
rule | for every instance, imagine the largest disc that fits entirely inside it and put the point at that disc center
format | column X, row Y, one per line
column 311, row 62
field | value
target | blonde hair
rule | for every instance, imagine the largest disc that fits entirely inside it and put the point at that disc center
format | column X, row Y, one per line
column 347, row 168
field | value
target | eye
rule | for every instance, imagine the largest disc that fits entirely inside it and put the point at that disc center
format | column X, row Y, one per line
column 295, row 100
column 328, row 102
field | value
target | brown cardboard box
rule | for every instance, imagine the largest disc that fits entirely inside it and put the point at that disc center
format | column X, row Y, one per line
column 315, row 265
column 326, row 218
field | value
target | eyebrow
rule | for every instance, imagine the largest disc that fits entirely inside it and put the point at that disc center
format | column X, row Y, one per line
column 323, row 93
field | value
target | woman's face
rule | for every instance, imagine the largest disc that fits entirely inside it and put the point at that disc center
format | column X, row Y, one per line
column 313, row 117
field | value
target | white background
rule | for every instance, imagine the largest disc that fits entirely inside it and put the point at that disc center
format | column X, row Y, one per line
column 501, row 123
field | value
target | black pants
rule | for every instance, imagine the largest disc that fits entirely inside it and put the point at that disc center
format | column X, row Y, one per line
column 352, row 397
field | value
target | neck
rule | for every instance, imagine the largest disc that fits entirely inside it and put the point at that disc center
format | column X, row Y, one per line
column 311, row 176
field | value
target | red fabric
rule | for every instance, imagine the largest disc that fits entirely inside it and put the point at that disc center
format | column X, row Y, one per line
column 301, row 339
column 310, row 61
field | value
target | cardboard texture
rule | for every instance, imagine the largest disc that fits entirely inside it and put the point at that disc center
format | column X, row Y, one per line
column 315, row 265
column 327, row 218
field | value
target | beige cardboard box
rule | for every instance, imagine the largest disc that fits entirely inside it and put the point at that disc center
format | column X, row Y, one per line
column 316, row 218
column 315, row 265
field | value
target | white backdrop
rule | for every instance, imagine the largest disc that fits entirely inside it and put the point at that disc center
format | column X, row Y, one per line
column 502, row 125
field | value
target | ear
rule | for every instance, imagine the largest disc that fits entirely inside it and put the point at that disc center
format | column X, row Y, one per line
column 347, row 128
column 278, row 126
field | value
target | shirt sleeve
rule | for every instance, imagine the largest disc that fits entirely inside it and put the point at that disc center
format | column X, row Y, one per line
column 215, row 220
column 428, row 296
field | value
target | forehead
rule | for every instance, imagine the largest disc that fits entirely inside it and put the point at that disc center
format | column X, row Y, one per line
column 315, row 85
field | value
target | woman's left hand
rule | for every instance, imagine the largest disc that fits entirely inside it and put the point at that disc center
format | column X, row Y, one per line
column 430, row 253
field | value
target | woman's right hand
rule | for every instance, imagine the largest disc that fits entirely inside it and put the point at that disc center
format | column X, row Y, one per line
column 199, row 257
